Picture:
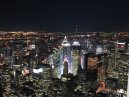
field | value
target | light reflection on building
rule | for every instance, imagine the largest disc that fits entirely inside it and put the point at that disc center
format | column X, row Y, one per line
column 65, row 54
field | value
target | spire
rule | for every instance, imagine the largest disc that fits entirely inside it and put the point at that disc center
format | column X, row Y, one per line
column 76, row 29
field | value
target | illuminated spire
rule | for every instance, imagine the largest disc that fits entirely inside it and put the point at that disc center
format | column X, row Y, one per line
column 65, row 42
column 65, row 59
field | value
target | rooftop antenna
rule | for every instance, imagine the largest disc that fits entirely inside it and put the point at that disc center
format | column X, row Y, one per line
column 76, row 29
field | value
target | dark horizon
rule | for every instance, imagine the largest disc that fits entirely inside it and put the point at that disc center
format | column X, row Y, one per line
column 63, row 16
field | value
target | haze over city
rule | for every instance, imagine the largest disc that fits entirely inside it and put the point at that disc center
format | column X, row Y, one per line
column 62, row 16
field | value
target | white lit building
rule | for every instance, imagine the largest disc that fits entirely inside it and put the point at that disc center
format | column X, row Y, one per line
column 65, row 53
column 99, row 49
column 75, row 52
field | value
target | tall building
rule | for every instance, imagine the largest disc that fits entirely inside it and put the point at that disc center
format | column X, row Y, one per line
column 75, row 52
column 91, row 66
column 46, row 75
column 83, row 59
column 65, row 54
column 50, row 61
column 65, row 70
column 43, row 73
column 60, row 67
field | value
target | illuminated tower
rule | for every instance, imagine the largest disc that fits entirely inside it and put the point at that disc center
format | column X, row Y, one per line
column 50, row 60
column 65, row 53
column 76, row 48
column 65, row 70
column 83, row 59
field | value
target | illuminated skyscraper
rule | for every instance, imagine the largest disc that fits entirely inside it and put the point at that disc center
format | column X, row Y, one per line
column 75, row 56
column 83, row 59
column 65, row 70
column 65, row 54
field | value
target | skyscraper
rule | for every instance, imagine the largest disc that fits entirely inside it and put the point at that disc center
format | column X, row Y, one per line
column 65, row 70
column 91, row 66
column 75, row 52
column 65, row 55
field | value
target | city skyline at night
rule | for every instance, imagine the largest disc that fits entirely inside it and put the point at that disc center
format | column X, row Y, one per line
column 64, row 65
column 64, row 48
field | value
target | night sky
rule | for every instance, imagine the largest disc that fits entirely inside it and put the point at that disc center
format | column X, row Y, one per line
column 91, row 15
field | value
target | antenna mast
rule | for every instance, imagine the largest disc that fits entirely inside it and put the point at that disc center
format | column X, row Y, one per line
column 76, row 29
